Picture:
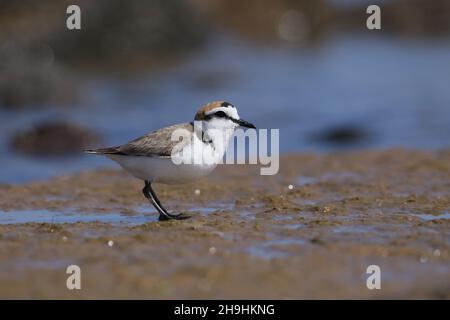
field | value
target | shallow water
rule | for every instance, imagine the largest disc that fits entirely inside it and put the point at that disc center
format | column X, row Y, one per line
column 394, row 90
column 430, row 217
column 276, row 248
column 47, row 216
column 353, row 229
column 144, row 214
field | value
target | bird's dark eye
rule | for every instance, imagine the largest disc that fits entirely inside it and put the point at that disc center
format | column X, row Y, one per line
column 220, row 114
column 226, row 105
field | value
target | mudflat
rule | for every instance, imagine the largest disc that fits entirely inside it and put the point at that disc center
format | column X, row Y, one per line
column 310, row 231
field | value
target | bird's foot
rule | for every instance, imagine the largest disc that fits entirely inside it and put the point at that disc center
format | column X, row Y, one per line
column 180, row 216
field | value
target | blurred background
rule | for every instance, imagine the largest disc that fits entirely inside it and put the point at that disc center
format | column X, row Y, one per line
column 308, row 67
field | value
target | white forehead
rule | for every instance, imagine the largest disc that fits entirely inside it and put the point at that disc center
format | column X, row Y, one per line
column 229, row 111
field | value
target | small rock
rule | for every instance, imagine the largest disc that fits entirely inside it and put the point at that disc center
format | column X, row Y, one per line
column 341, row 135
column 54, row 138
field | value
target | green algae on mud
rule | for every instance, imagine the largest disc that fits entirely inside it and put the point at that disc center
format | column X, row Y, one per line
column 250, row 236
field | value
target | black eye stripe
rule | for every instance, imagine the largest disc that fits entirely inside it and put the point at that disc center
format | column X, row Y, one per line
column 220, row 114
column 226, row 105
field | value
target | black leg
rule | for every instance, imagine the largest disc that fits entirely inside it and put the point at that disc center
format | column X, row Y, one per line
column 164, row 215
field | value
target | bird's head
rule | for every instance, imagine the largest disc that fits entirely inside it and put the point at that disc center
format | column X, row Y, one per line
column 221, row 115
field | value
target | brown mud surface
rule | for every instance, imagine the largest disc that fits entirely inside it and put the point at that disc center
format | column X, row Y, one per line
column 250, row 236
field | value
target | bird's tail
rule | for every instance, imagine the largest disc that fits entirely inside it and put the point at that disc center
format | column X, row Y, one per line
column 112, row 150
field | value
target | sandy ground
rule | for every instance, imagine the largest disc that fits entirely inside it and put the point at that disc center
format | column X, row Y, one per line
column 249, row 236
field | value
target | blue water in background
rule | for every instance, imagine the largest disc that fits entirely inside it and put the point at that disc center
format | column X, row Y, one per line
column 396, row 90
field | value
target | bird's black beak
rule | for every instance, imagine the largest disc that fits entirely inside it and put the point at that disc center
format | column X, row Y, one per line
column 244, row 123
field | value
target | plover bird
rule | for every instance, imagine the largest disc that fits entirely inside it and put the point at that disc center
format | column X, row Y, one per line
column 161, row 157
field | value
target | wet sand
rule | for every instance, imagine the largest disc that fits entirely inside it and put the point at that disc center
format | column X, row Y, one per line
column 250, row 236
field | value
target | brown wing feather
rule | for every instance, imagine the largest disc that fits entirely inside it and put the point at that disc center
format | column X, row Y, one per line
column 155, row 144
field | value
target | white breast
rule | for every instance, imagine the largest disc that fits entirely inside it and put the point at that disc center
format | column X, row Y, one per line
column 161, row 170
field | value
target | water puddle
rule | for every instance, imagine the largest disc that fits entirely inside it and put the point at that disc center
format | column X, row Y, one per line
column 353, row 229
column 27, row 263
column 204, row 210
column 277, row 248
column 47, row 216
column 328, row 177
column 430, row 217
column 294, row 226
column 304, row 180
column 281, row 217
column 247, row 215
column 214, row 207
column 144, row 214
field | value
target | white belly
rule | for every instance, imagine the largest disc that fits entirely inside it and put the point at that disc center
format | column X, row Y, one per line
column 161, row 170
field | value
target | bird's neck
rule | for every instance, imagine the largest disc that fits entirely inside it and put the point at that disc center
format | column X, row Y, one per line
column 215, row 141
column 218, row 138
